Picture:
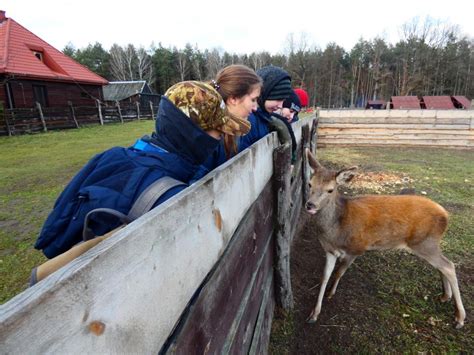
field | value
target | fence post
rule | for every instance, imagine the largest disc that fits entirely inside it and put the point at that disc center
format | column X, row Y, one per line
column 73, row 114
column 151, row 108
column 313, row 135
column 99, row 107
column 119, row 110
column 5, row 116
column 282, row 185
column 38, row 106
column 138, row 110
column 305, row 144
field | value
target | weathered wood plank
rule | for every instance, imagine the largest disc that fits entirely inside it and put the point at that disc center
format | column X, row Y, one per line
column 137, row 283
column 282, row 176
column 394, row 126
column 214, row 310
column 242, row 340
column 407, row 142
column 261, row 335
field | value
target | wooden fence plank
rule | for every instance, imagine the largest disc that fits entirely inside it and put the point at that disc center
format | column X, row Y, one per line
column 212, row 314
column 138, row 282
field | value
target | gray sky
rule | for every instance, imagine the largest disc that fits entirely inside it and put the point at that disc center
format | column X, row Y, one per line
column 241, row 26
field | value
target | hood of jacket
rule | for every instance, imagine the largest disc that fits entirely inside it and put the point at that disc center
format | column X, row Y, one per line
column 177, row 134
column 271, row 76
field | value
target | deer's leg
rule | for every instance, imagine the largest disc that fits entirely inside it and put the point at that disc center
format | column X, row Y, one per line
column 430, row 251
column 328, row 269
column 347, row 260
column 447, row 292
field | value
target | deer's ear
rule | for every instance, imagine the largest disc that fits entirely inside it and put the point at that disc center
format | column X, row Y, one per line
column 345, row 175
column 313, row 163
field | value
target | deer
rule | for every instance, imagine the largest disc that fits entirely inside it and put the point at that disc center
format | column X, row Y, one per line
column 349, row 226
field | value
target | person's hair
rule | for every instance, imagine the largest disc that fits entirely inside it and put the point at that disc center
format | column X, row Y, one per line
column 236, row 81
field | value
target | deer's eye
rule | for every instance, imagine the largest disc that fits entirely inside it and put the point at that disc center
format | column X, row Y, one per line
column 309, row 184
column 330, row 191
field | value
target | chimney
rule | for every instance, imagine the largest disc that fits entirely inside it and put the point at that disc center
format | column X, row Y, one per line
column 2, row 16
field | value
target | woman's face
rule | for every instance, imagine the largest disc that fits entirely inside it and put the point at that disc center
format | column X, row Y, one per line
column 243, row 106
column 273, row 105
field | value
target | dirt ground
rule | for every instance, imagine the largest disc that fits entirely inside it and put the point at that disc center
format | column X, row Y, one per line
column 354, row 320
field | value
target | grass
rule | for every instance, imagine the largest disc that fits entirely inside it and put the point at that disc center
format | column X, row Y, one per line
column 389, row 301
column 33, row 171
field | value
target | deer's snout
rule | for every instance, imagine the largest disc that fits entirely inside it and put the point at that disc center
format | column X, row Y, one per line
column 311, row 207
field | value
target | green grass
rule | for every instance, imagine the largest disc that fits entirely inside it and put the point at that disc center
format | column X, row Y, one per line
column 33, row 171
column 389, row 301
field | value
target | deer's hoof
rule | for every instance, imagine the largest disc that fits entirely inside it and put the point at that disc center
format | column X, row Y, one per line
column 444, row 298
column 459, row 325
column 311, row 320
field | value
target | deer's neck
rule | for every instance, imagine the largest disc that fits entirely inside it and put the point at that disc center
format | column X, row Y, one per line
column 329, row 217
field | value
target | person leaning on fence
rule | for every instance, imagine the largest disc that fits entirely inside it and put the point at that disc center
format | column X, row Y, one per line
column 240, row 88
column 291, row 108
column 276, row 88
column 191, row 120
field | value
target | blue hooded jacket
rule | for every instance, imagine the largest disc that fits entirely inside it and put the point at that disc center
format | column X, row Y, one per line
column 115, row 178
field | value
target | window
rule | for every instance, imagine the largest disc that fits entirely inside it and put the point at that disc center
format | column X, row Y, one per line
column 40, row 94
column 38, row 55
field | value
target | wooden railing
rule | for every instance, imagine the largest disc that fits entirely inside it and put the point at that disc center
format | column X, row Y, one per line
column 450, row 128
column 200, row 273
column 41, row 119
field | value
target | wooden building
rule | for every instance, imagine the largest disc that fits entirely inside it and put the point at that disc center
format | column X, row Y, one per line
column 128, row 92
column 33, row 71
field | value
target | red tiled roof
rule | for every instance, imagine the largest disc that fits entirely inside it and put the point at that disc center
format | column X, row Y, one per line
column 405, row 102
column 463, row 100
column 17, row 46
column 438, row 102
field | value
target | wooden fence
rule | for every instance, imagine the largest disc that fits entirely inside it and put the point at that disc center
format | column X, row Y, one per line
column 41, row 119
column 200, row 273
column 450, row 128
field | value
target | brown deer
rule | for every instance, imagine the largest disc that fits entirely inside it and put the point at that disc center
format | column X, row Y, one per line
column 350, row 226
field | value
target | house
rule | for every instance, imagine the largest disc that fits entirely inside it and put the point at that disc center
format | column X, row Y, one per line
column 127, row 92
column 33, row 71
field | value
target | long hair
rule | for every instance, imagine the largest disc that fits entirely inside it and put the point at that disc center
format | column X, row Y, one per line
column 235, row 81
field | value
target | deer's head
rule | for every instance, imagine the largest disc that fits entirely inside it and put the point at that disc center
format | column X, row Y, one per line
column 323, row 184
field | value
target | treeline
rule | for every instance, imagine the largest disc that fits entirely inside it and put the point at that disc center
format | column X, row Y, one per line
column 431, row 58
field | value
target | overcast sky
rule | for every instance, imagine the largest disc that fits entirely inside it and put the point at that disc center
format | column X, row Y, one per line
column 237, row 26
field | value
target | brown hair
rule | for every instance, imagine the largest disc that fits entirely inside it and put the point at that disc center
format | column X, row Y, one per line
column 235, row 81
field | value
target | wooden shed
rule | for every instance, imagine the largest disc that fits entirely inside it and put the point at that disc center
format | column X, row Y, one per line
column 33, row 71
column 405, row 102
column 128, row 92
column 461, row 102
column 438, row 103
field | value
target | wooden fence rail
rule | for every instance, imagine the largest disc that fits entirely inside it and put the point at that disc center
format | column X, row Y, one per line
column 39, row 119
column 200, row 273
column 451, row 128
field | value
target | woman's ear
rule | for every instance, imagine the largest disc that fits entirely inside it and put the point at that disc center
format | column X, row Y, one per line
column 231, row 101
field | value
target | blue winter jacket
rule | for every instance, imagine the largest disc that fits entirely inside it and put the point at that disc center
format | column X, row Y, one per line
column 259, row 121
column 115, row 178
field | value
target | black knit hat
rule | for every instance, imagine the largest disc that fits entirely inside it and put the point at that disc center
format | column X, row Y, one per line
column 293, row 102
column 276, row 84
